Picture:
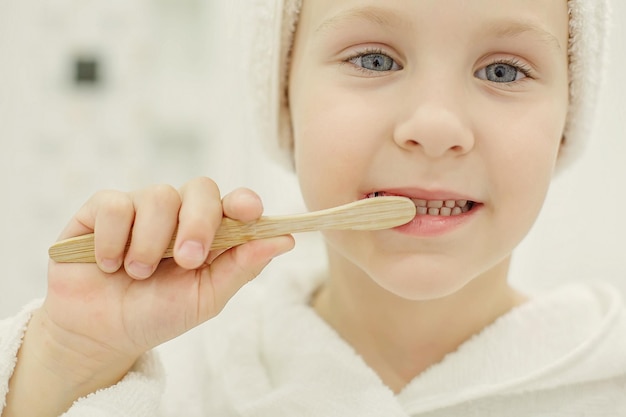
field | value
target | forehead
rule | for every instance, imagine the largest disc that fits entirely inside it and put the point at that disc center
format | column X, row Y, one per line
column 546, row 20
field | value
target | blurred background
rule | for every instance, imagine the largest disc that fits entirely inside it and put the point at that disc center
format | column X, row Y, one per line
column 116, row 94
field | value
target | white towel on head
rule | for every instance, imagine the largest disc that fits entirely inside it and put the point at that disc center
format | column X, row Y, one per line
column 589, row 24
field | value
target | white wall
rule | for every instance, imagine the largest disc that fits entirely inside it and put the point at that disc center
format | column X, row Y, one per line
column 169, row 111
column 149, row 120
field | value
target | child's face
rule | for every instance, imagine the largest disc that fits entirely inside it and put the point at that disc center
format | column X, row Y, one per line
column 436, row 100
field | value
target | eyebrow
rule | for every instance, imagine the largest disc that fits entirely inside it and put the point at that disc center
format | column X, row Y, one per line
column 387, row 18
column 376, row 15
column 516, row 28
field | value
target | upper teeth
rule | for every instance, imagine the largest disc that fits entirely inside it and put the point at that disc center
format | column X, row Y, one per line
column 442, row 207
column 436, row 207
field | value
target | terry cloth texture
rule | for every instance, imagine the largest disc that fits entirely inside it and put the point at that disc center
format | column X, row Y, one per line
column 273, row 24
column 269, row 354
column 136, row 395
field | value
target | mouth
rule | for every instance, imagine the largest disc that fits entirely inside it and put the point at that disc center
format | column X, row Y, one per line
column 441, row 208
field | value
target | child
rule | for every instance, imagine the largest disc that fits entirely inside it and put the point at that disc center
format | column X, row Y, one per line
column 464, row 107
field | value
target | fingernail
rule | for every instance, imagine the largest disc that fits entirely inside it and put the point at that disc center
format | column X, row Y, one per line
column 110, row 265
column 192, row 250
column 139, row 269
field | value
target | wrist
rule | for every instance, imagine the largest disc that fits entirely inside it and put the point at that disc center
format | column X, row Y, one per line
column 74, row 358
column 58, row 372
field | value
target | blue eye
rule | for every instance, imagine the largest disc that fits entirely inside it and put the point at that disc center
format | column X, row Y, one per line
column 375, row 62
column 502, row 72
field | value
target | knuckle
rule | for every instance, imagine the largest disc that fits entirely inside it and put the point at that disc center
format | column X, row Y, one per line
column 201, row 206
column 115, row 204
column 205, row 183
column 202, row 185
column 162, row 195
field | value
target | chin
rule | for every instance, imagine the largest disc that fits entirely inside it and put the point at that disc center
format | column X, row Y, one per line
column 419, row 283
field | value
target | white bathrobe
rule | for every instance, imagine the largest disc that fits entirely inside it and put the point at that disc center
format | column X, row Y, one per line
column 268, row 354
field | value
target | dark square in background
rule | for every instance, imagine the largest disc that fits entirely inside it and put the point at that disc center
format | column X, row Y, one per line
column 86, row 71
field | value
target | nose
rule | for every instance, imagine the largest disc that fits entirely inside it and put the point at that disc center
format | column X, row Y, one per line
column 435, row 129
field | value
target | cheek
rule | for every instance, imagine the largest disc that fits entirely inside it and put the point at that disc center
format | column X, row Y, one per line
column 523, row 138
column 523, row 160
column 537, row 139
column 334, row 141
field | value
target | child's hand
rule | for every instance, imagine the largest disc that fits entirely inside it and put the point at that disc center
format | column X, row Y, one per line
column 132, row 303
column 99, row 318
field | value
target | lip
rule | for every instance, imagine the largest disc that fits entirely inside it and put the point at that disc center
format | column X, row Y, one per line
column 429, row 225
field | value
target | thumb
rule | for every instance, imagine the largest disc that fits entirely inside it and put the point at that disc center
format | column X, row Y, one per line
column 233, row 269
